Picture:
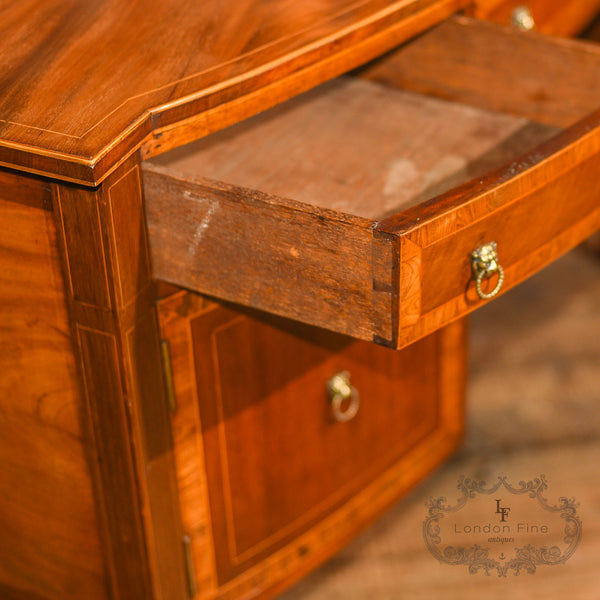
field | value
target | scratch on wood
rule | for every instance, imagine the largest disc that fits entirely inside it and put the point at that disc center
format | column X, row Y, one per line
column 204, row 222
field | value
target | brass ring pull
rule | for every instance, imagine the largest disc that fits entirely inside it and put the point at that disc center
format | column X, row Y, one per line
column 521, row 18
column 343, row 397
column 484, row 263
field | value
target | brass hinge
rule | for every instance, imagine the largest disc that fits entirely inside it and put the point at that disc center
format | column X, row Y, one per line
column 189, row 565
column 165, row 351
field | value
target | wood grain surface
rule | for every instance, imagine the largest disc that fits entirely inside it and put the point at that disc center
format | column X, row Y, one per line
column 554, row 17
column 50, row 539
column 532, row 408
column 110, row 298
column 269, row 482
column 359, row 148
column 371, row 250
column 270, row 423
column 545, row 79
column 85, row 84
column 551, row 193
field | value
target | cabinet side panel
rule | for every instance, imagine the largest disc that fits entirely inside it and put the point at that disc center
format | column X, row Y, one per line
column 116, row 340
column 49, row 543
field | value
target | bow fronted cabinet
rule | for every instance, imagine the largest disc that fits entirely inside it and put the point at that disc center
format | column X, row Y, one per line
column 239, row 241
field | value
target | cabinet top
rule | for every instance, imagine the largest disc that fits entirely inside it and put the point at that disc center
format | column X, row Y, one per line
column 84, row 84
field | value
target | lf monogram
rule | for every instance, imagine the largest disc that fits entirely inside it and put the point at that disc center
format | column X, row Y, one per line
column 502, row 511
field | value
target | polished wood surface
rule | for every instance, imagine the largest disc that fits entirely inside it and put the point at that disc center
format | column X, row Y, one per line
column 532, row 403
column 277, row 460
column 277, row 465
column 110, row 294
column 376, row 257
column 198, row 228
column 86, row 84
column 554, row 17
column 50, row 539
column 543, row 79
column 106, row 488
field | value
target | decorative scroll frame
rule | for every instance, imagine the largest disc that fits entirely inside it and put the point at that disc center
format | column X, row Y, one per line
column 477, row 558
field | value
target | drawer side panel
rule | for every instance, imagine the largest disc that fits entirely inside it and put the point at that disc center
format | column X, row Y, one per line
column 275, row 255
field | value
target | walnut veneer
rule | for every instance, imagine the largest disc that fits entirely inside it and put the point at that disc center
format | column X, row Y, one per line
column 156, row 444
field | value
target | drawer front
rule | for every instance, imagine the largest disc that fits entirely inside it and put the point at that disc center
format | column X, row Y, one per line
column 283, row 477
column 348, row 265
column 532, row 213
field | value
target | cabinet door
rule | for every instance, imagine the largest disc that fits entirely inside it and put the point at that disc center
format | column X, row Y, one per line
column 271, row 481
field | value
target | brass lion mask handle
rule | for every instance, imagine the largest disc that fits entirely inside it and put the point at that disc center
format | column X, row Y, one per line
column 484, row 263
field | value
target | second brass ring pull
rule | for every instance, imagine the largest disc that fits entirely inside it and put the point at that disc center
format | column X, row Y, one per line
column 344, row 398
column 484, row 263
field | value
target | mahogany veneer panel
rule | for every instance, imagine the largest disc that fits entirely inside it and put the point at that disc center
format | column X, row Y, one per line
column 50, row 540
column 88, row 83
column 277, row 460
column 281, row 474
column 103, row 240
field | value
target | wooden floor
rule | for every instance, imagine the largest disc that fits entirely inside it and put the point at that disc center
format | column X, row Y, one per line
column 533, row 408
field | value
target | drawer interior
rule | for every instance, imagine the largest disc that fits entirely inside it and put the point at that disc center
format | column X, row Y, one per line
column 358, row 147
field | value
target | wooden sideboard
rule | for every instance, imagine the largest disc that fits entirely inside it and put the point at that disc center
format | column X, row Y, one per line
column 178, row 296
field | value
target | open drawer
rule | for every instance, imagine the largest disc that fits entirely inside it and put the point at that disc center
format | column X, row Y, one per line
column 357, row 206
